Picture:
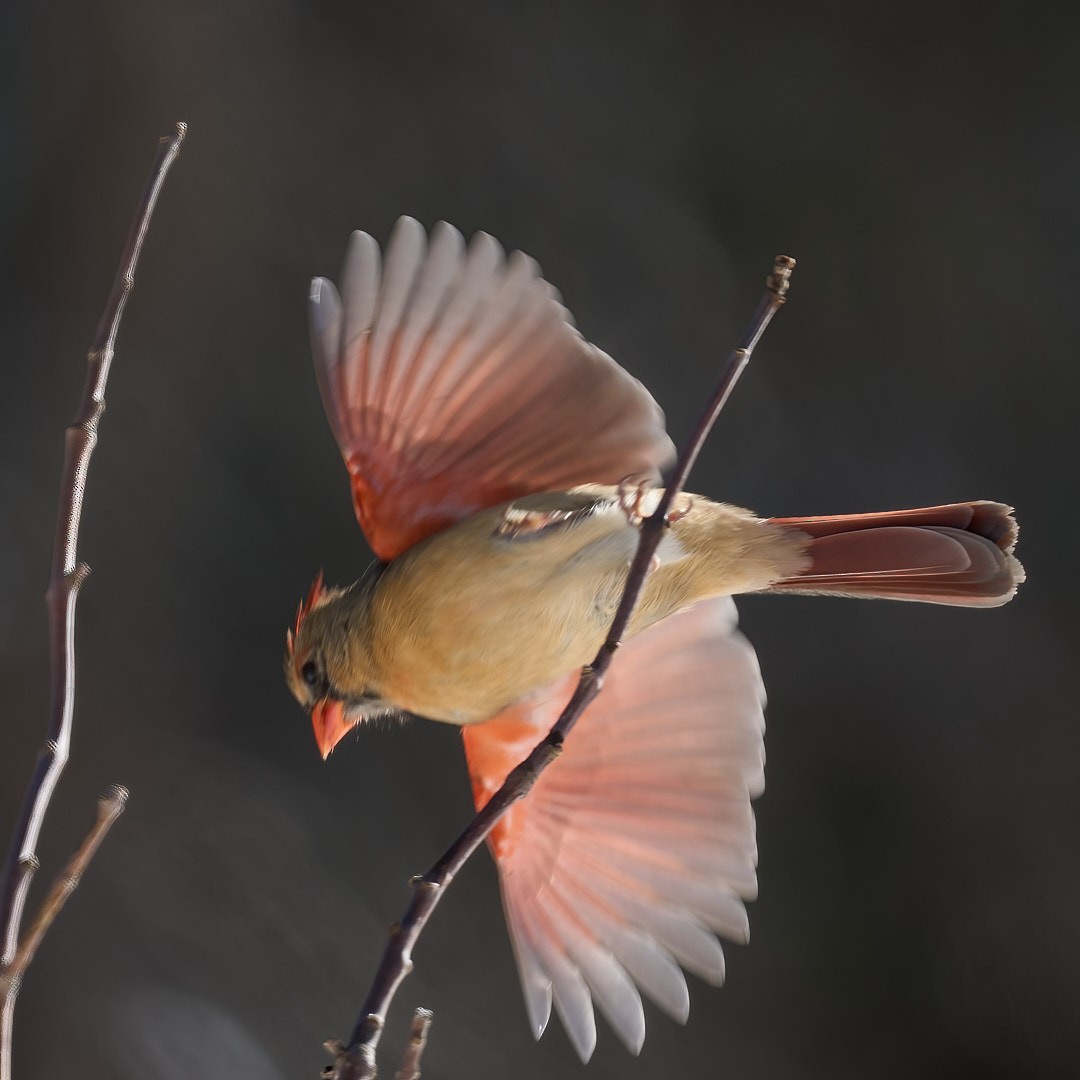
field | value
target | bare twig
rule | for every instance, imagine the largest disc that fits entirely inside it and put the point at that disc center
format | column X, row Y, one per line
column 111, row 805
column 410, row 1061
column 66, row 578
column 357, row 1060
column 418, row 1033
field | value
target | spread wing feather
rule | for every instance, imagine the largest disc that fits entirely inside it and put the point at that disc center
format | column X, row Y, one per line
column 637, row 845
column 454, row 380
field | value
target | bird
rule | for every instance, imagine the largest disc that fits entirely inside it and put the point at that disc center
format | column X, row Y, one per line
column 499, row 466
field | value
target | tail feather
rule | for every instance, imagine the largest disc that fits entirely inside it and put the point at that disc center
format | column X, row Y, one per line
column 956, row 554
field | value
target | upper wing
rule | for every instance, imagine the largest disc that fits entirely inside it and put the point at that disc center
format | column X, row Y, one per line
column 454, row 380
column 638, row 841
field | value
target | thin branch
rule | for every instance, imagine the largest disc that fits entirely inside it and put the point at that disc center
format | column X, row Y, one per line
column 66, row 578
column 111, row 805
column 418, row 1033
column 357, row 1060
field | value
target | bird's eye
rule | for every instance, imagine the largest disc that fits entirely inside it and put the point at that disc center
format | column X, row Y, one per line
column 310, row 673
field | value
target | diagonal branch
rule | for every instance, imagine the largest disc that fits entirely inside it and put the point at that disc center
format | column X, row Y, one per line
column 66, row 577
column 111, row 805
column 357, row 1060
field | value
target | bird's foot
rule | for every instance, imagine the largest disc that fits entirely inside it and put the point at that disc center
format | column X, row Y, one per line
column 638, row 497
column 677, row 513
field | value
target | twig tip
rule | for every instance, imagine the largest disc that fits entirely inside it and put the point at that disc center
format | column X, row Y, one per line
column 779, row 280
column 115, row 797
column 418, row 1036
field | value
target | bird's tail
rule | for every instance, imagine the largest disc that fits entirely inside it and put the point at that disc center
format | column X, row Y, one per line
column 955, row 554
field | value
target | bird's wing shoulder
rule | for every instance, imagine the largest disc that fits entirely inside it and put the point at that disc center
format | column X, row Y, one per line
column 454, row 380
column 637, row 844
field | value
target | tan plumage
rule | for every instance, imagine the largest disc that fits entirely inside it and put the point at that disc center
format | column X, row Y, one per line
column 484, row 437
column 467, row 621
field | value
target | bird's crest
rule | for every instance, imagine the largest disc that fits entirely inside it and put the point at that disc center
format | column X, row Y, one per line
column 315, row 594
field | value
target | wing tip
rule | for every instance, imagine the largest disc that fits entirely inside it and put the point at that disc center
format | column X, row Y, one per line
column 406, row 228
column 323, row 296
column 361, row 246
column 324, row 323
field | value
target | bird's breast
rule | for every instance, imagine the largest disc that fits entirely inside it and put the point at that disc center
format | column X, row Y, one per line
column 509, row 601
column 470, row 620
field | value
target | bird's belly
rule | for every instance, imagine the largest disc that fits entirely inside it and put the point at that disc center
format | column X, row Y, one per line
column 460, row 637
column 467, row 622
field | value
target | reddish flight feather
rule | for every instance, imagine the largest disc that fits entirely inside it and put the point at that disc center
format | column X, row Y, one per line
column 454, row 380
column 637, row 843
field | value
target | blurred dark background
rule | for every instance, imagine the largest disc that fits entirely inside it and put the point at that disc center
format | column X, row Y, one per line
column 919, row 877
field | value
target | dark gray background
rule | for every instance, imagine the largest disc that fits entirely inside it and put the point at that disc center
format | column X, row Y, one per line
column 919, row 882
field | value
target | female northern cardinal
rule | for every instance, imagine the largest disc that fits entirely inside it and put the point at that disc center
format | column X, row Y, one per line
column 480, row 432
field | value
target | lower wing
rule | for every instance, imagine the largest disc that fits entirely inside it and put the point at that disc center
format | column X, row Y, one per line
column 637, row 845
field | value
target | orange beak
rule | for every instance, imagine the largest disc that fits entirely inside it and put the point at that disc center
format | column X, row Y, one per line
column 328, row 719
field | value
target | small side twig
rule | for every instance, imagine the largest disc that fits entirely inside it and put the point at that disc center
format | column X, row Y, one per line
column 357, row 1060
column 111, row 805
column 418, row 1033
column 66, row 578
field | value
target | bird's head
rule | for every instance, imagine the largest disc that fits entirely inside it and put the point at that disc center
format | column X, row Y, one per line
column 325, row 664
